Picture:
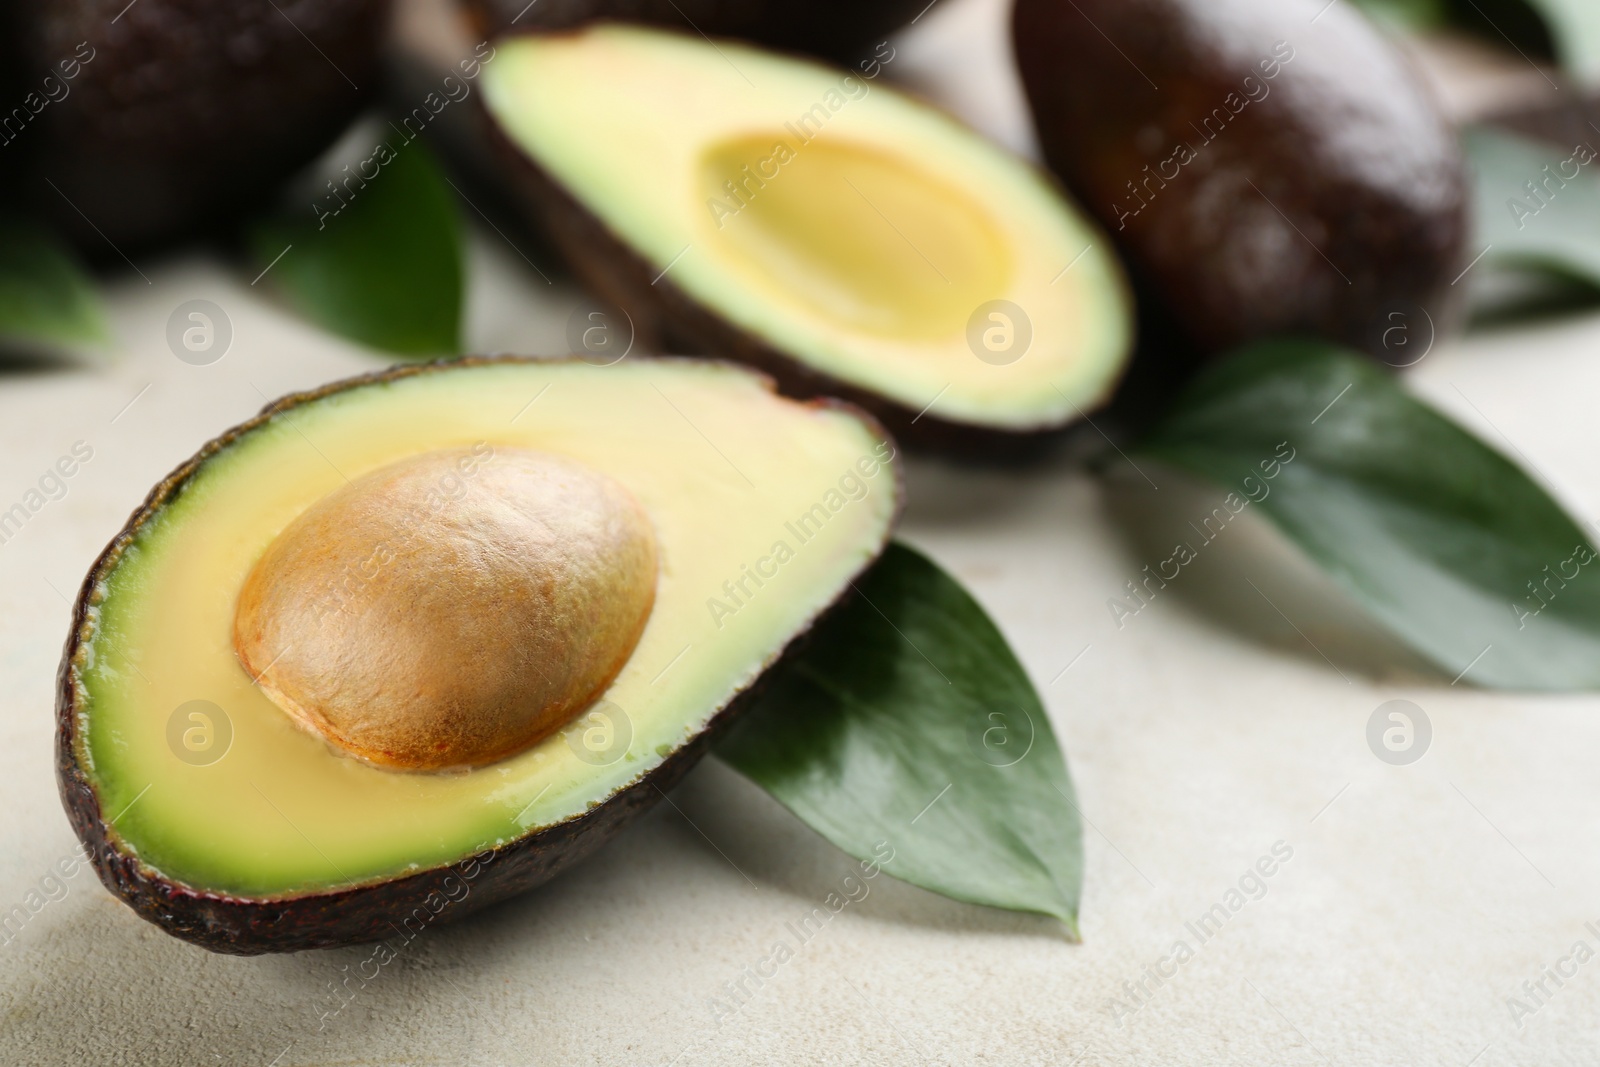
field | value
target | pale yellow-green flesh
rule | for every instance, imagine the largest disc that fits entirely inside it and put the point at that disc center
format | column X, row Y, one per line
column 724, row 469
column 861, row 240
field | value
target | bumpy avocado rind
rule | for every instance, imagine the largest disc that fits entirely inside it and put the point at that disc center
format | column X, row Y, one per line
column 147, row 122
column 394, row 909
column 836, row 29
column 403, row 901
column 815, row 223
column 1265, row 167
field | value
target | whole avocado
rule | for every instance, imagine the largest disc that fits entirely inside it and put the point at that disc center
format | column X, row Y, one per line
column 1267, row 166
column 148, row 121
column 843, row 30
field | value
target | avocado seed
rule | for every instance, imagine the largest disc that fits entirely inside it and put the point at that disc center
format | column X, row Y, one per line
column 450, row 609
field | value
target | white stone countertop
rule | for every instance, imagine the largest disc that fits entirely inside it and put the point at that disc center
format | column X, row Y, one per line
column 1416, row 901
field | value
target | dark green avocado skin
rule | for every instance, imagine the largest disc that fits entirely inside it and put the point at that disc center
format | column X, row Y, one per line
column 182, row 113
column 1320, row 200
column 842, row 30
column 383, row 910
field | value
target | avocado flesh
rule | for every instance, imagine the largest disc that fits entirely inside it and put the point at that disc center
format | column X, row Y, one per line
column 865, row 234
column 280, row 815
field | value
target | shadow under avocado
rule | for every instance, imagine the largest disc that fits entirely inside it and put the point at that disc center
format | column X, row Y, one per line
column 778, row 852
column 1248, row 579
column 736, row 831
column 23, row 359
column 957, row 496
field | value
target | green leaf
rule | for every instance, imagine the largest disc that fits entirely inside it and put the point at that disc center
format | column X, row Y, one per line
column 1532, row 27
column 1442, row 539
column 1407, row 14
column 1575, row 29
column 45, row 296
column 907, row 724
column 379, row 261
column 1557, row 231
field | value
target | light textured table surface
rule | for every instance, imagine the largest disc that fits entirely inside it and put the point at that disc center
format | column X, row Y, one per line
column 1210, row 728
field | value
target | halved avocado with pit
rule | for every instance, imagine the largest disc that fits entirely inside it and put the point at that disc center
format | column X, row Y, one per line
column 839, row 234
column 406, row 645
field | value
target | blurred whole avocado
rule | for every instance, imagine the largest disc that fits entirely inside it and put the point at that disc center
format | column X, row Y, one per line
column 140, row 123
column 834, row 29
column 1266, row 169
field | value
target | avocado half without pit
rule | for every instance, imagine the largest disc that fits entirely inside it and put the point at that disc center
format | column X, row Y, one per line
column 412, row 643
column 812, row 221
